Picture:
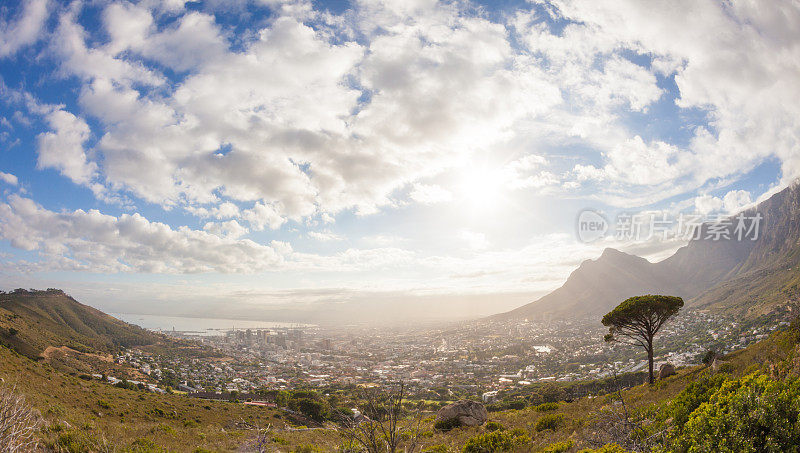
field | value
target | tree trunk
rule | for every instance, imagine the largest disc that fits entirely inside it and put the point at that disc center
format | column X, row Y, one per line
column 651, row 376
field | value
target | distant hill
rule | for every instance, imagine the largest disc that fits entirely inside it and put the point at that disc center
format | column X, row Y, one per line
column 744, row 277
column 30, row 321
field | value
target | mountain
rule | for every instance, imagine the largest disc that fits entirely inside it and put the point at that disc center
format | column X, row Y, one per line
column 31, row 321
column 747, row 277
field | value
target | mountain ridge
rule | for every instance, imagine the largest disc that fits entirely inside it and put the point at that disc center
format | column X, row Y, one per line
column 715, row 274
column 32, row 320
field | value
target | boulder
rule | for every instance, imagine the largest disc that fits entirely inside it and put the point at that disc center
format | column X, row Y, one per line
column 468, row 413
column 666, row 370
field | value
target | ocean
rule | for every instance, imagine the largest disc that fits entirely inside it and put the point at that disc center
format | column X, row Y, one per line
column 199, row 326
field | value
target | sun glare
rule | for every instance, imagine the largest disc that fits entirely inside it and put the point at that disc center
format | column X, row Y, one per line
column 482, row 189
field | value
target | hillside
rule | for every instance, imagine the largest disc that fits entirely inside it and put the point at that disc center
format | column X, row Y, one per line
column 32, row 321
column 87, row 415
column 744, row 277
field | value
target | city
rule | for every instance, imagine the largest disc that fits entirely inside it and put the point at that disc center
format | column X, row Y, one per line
column 484, row 358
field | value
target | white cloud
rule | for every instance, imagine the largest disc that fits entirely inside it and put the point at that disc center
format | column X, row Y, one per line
column 732, row 202
column 8, row 178
column 735, row 200
column 228, row 229
column 429, row 194
column 278, row 121
column 92, row 241
column 733, row 60
column 705, row 204
column 325, row 236
column 63, row 147
column 473, row 239
column 26, row 29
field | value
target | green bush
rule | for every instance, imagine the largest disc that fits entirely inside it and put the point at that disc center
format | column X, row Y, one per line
column 558, row 447
column 494, row 426
column 546, row 407
column 72, row 442
column 311, row 408
column 144, row 445
column 608, row 448
column 436, row 449
column 447, row 424
column 496, row 441
column 549, row 421
column 695, row 394
column 751, row 414
column 308, row 449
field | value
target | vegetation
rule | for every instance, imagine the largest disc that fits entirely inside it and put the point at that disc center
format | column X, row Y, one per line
column 549, row 421
column 752, row 414
column 19, row 423
column 385, row 425
column 546, row 407
column 637, row 320
column 753, row 399
column 496, row 441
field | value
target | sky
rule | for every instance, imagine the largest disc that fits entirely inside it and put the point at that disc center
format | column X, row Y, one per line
column 405, row 159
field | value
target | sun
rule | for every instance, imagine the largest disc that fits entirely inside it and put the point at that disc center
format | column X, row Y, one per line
column 481, row 189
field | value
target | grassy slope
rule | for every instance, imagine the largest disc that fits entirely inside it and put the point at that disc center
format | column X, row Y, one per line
column 30, row 322
column 91, row 410
column 578, row 414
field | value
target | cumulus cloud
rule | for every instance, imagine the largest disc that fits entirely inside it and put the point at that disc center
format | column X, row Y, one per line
column 297, row 118
column 732, row 60
column 325, row 236
column 732, row 202
column 26, row 29
column 8, row 178
column 90, row 240
column 63, row 147
column 279, row 122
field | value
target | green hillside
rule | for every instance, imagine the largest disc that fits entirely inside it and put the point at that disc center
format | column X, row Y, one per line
column 31, row 321
column 85, row 415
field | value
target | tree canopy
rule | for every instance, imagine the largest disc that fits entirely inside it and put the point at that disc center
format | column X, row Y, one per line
column 637, row 319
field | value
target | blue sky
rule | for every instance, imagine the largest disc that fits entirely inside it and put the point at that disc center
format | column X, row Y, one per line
column 183, row 157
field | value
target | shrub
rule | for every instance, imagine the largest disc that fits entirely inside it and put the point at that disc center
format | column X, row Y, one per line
column 19, row 422
column 307, row 449
column 447, row 425
column 558, row 447
column 313, row 409
column 104, row 404
column 549, row 421
column 279, row 440
column 608, row 448
column 144, row 445
column 496, row 441
column 695, row 394
column 436, row 449
column 709, row 356
column 494, row 426
column 755, row 413
column 546, row 407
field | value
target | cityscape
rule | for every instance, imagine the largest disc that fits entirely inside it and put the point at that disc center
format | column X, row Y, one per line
column 484, row 358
